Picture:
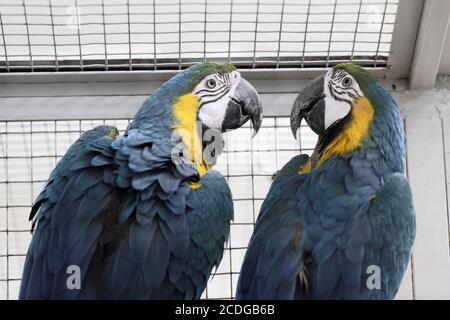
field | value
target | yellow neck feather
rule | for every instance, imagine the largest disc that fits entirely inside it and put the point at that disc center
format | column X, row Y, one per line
column 185, row 112
column 354, row 133
column 305, row 168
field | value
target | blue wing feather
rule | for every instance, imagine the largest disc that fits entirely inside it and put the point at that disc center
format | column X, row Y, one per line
column 332, row 246
column 134, row 227
column 271, row 263
column 209, row 216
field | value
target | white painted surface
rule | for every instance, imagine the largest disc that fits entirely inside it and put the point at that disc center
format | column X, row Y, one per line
column 444, row 68
column 427, row 118
column 427, row 179
column 404, row 38
column 430, row 43
column 406, row 291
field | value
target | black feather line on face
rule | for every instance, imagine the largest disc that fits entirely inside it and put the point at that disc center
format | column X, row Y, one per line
column 210, row 101
column 339, row 75
column 218, row 79
column 341, row 98
column 218, row 91
column 205, row 90
column 330, row 88
column 227, row 78
column 349, row 102
column 348, row 90
column 335, row 93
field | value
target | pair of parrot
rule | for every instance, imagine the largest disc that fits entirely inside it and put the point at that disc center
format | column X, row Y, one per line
column 141, row 216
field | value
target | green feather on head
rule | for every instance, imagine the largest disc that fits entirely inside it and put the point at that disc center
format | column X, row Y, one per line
column 362, row 76
column 378, row 96
column 189, row 78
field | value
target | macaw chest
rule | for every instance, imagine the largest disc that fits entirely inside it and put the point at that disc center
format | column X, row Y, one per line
column 331, row 199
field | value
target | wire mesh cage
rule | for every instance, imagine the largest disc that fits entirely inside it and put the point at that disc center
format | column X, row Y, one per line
column 86, row 35
column 109, row 35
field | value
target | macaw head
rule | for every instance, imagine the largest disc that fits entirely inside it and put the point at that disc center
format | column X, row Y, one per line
column 194, row 107
column 340, row 107
column 215, row 94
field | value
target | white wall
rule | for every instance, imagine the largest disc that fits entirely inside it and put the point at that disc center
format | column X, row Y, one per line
column 427, row 122
column 444, row 67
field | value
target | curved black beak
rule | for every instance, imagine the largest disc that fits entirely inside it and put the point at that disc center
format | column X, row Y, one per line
column 310, row 105
column 243, row 106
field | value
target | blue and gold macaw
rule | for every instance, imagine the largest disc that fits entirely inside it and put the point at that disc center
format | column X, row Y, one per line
column 339, row 224
column 141, row 215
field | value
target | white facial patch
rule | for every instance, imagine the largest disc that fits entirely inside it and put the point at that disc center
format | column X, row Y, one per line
column 212, row 114
column 338, row 103
column 335, row 111
column 215, row 100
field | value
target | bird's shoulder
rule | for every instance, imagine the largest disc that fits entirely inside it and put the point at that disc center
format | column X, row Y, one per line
column 380, row 233
column 281, row 195
column 212, row 199
column 209, row 213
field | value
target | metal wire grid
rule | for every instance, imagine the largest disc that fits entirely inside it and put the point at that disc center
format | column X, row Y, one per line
column 81, row 35
column 29, row 151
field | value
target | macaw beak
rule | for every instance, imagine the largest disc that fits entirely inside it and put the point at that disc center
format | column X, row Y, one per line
column 244, row 105
column 310, row 105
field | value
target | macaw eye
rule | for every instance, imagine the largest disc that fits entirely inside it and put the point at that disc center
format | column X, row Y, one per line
column 211, row 83
column 347, row 81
